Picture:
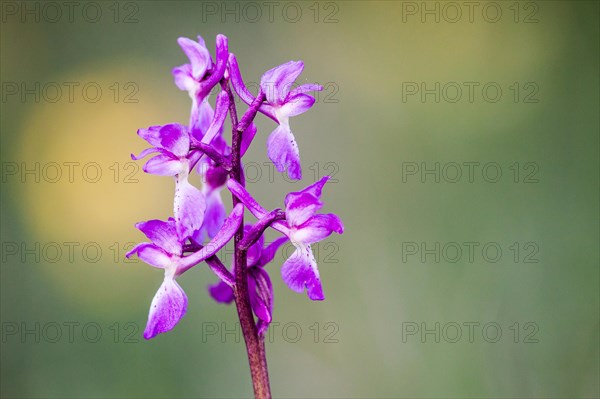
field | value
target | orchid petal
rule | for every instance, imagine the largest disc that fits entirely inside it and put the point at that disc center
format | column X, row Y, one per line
column 151, row 254
column 145, row 153
column 175, row 139
column 262, row 327
column 317, row 228
column 282, row 149
column 184, row 79
column 296, row 105
column 314, row 189
column 261, row 293
column 300, row 271
column 167, row 308
column 215, row 176
column 161, row 233
column 305, row 88
column 151, row 135
column 277, row 82
column 163, row 165
column 269, row 111
column 201, row 41
column 188, row 207
column 221, row 292
column 198, row 55
column 299, row 207
column 254, row 252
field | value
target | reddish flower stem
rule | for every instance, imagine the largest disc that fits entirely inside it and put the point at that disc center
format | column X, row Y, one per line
column 255, row 345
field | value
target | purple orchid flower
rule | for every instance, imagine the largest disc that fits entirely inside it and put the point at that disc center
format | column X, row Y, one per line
column 172, row 142
column 259, row 282
column 200, row 75
column 200, row 227
column 303, row 227
column 165, row 251
column 282, row 103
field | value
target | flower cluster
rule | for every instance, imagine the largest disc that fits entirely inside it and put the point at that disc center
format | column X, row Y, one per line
column 200, row 226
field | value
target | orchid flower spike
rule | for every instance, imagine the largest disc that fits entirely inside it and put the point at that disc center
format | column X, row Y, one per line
column 199, row 227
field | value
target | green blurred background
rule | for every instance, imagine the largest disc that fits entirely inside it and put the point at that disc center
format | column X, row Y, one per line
column 367, row 129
